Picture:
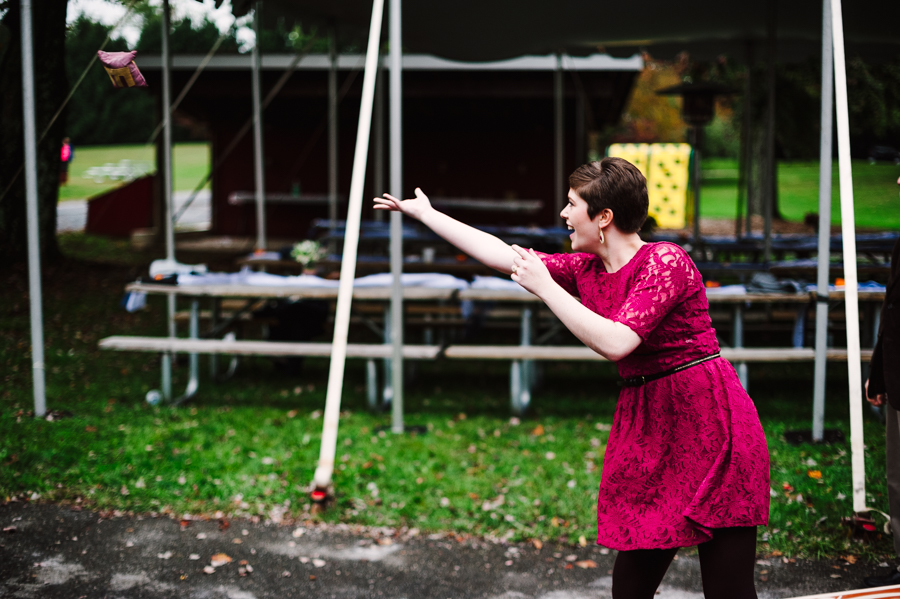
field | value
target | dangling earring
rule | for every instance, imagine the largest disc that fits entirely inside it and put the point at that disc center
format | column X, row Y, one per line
column 602, row 240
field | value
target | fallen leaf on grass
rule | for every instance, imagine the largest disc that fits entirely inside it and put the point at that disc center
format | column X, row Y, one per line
column 787, row 487
column 586, row 563
column 816, row 474
column 219, row 559
column 582, row 541
column 538, row 430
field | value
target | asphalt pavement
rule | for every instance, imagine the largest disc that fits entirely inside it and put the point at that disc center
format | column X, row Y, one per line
column 52, row 551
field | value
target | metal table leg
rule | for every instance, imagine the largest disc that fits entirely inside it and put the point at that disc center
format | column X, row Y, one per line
column 214, row 358
column 387, row 393
column 800, row 326
column 216, row 314
column 194, row 359
column 738, row 341
column 372, row 385
column 521, row 372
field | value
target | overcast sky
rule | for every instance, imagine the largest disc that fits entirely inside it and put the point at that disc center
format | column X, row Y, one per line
column 109, row 13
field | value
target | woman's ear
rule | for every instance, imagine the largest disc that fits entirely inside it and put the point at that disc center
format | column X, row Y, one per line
column 605, row 218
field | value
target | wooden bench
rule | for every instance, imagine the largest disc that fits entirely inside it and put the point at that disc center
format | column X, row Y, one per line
column 522, row 356
column 261, row 348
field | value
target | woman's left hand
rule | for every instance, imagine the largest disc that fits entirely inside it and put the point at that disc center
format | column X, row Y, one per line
column 529, row 271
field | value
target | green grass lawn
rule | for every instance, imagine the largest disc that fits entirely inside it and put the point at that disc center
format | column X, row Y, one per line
column 191, row 162
column 250, row 445
column 875, row 192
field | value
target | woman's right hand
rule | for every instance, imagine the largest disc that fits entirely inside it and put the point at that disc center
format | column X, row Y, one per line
column 878, row 400
column 415, row 207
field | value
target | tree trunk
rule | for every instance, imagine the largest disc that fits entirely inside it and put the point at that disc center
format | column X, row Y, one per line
column 756, row 173
column 49, row 37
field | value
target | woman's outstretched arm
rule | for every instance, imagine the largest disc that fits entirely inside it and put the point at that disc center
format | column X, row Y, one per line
column 485, row 248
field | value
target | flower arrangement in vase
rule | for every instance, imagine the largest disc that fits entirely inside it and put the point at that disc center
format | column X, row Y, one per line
column 307, row 253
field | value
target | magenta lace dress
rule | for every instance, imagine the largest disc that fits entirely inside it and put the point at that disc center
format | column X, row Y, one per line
column 686, row 452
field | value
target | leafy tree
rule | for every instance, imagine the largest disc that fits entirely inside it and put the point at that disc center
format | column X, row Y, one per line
column 98, row 112
column 648, row 117
column 184, row 38
column 48, row 36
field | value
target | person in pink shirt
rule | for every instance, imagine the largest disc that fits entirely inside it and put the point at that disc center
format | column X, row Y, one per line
column 686, row 462
column 65, row 157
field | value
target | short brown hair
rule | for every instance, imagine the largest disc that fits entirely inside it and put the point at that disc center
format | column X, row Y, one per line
column 616, row 184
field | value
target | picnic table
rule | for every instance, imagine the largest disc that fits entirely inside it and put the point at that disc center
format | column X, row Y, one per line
column 444, row 295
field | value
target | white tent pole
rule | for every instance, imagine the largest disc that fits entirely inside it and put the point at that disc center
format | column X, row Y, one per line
column 396, row 109
column 378, row 143
column 818, row 426
column 168, row 220
column 560, row 190
column 848, row 232
column 747, row 150
column 770, row 169
column 332, row 131
column 31, row 199
column 325, row 467
column 259, row 173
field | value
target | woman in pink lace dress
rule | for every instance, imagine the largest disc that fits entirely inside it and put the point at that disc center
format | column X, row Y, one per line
column 686, row 462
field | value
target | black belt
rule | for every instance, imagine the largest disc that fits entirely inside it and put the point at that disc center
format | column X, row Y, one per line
column 637, row 381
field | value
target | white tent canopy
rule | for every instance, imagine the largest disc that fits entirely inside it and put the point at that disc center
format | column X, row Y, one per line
column 481, row 30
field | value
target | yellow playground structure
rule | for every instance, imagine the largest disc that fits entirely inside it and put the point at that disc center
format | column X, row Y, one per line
column 667, row 169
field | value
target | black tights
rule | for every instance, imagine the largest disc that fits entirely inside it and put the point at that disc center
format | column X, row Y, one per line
column 726, row 567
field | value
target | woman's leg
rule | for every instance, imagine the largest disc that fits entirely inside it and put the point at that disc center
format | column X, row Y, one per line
column 726, row 563
column 637, row 573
